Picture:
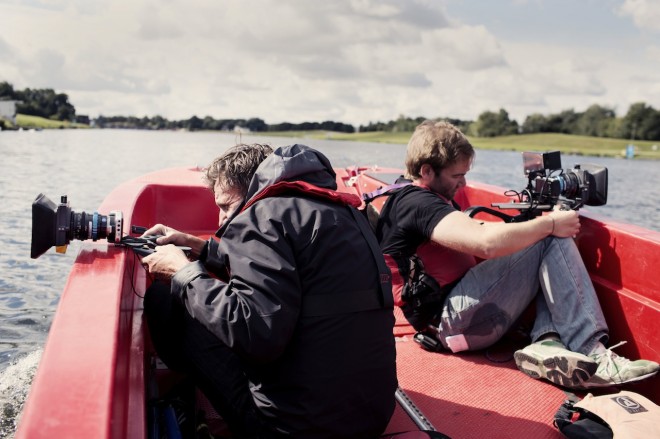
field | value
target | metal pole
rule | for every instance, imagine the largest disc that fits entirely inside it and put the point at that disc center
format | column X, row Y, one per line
column 413, row 411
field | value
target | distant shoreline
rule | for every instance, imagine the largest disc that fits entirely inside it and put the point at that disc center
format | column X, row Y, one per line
column 565, row 143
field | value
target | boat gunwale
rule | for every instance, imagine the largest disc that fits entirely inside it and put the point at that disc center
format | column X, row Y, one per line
column 113, row 397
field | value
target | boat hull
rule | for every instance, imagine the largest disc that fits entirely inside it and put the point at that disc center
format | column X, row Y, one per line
column 98, row 362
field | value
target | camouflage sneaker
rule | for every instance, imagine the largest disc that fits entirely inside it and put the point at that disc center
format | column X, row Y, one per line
column 614, row 370
column 550, row 360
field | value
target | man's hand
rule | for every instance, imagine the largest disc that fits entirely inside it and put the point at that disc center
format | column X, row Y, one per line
column 169, row 235
column 173, row 236
column 566, row 223
column 165, row 261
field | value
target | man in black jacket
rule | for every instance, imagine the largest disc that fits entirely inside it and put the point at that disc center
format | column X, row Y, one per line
column 296, row 340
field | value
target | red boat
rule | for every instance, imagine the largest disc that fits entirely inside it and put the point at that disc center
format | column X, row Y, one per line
column 97, row 363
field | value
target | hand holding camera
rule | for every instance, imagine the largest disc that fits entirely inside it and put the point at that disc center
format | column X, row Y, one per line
column 165, row 261
column 565, row 223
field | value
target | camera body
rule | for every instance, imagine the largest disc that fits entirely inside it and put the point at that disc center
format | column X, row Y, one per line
column 549, row 183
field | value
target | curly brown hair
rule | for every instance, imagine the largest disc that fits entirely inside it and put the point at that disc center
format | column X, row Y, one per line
column 438, row 144
column 236, row 166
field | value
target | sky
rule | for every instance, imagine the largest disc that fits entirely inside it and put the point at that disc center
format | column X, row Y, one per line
column 351, row 61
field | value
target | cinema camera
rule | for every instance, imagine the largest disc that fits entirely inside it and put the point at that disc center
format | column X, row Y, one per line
column 57, row 225
column 549, row 185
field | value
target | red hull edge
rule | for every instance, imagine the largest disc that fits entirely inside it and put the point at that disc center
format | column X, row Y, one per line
column 93, row 375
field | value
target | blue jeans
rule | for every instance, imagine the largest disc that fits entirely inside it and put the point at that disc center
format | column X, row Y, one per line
column 492, row 295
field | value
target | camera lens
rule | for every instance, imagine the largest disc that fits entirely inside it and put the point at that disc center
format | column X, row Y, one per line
column 96, row 226
column 79, row 226
column 569, row 184
column 57, row 225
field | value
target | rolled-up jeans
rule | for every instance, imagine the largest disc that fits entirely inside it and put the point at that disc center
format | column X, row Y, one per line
column 492, row 295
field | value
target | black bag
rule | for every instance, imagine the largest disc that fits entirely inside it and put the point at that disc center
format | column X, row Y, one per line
column 626, row 415
column 423, row 297
column 586, row 426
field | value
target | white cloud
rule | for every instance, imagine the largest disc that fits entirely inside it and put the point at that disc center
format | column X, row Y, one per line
column 645, row 13
column 465, row 47
column 353, row 61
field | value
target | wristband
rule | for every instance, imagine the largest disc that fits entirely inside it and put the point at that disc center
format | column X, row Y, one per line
column 553, row 225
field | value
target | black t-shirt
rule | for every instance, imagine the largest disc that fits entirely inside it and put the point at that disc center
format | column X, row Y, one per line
column 408, row 218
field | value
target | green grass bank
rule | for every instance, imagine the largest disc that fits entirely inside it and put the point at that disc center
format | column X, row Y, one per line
column 35, row 122
column 566, row 143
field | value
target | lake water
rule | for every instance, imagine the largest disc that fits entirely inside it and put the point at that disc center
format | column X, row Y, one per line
column 87, row 164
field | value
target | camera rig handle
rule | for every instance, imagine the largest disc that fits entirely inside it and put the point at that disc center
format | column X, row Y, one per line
column 473, row 211
column 146, row 245
column 524, row 206
column 527, row 211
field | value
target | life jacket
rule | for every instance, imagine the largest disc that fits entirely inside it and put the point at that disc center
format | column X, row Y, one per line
column 418, row 294
column 302, row 187
column 320, row 305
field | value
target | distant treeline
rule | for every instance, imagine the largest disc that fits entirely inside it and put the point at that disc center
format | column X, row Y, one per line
column 640, row 122
column 211, row 124
column 43, row 103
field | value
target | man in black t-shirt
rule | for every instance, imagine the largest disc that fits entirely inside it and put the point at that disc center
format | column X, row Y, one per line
column 474, row 304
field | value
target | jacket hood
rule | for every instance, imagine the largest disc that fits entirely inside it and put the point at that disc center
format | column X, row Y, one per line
column 293, row 163
column 288, row 163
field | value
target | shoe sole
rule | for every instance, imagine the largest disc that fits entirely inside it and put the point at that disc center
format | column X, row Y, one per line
column 559, row 370
column 594, row 385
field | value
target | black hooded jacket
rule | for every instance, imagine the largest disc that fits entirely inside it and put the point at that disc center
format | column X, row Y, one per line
column 317, row 368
